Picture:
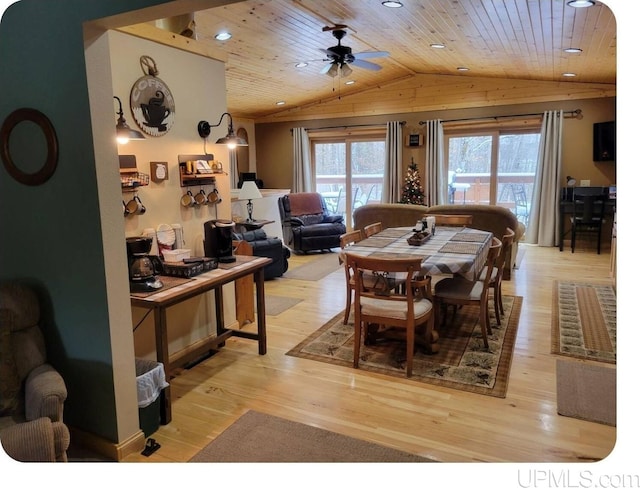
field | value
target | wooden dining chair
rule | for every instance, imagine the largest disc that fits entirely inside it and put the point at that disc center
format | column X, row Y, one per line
column 412, row 310
column 460, row 291
column 495, row 283
column 453, row 220
column 371, row 229
column 346, row 240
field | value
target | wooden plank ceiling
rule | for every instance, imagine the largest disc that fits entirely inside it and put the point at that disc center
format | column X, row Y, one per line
column 513, row 49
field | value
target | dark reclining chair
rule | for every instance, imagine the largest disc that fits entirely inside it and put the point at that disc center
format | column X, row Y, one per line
column 307, row 225
column 267, row 247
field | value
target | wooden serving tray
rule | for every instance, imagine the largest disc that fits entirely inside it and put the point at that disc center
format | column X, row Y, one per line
column 418, row 239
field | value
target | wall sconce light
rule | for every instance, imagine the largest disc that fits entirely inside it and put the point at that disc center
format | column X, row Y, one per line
column 231, row 139
column 249, row 191
column 124, row 133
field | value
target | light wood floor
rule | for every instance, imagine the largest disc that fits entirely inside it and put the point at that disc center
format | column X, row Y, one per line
column 439, row 423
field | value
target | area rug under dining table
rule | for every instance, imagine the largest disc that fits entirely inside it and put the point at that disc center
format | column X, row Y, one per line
column 462, row 362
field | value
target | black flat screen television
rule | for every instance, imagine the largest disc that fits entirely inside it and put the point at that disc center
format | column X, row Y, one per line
column 604, row 141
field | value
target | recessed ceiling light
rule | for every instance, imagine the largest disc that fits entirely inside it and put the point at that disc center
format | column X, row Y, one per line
column 573, row 50
column 581, row 3
column 437, row 45
column 280, row 102
column 223, row 36
column 569, row 75
column 391, row 4
column 462, row 68
column 350, row 82
column 301, row 64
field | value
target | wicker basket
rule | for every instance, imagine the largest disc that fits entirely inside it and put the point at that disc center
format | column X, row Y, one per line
column 133, row 180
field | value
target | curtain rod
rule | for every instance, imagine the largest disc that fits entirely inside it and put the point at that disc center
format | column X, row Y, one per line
column 403, row 122
column 577, row 114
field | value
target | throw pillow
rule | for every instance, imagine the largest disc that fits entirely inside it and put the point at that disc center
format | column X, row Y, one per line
column 9, row 380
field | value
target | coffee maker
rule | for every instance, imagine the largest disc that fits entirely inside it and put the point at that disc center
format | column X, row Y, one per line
column 143, row 267
column 218, row 240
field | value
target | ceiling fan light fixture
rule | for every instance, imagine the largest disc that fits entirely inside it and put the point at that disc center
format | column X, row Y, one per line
column 345, row 70
column 333, row 70
column 581, row 3
column 392, row 4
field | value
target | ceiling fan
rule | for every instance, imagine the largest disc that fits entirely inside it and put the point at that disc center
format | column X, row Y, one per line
column 340, row 57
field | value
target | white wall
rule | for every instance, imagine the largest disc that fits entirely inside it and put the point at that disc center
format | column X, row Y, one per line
column 198, row 87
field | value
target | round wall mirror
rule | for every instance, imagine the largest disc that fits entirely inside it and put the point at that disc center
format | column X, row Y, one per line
column 34, row 140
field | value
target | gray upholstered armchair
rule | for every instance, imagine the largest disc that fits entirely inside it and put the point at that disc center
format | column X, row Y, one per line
column 32, row 392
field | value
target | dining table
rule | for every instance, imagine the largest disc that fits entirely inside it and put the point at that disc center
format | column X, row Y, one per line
column 458, row 251
column 449, row 250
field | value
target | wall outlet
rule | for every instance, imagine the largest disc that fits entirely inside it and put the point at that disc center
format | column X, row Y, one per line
column 585, row 182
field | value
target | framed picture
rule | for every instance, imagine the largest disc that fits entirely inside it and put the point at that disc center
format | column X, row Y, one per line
column 159, row 171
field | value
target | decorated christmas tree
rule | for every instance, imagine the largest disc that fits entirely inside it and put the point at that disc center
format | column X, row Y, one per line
column 412, row 190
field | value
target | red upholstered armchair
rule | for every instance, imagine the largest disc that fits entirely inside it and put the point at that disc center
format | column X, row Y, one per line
column 307, row 225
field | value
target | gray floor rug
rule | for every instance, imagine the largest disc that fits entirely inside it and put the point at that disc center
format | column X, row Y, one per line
column 586, row 391
column 319, row 266
column 275, row 305
column 258, row 437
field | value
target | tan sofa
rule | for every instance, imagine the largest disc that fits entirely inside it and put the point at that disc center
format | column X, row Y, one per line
column 390, row 214
column 491, row 218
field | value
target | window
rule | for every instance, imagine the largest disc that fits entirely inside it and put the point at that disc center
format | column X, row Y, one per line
column 348, row 169
column 493, row 166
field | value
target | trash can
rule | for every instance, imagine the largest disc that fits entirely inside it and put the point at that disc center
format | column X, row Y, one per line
column 150, row 380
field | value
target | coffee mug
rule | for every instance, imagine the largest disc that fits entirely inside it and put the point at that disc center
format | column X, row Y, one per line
column 135, row 206
column 214, row 196
column 187, row 199
column 200, row 198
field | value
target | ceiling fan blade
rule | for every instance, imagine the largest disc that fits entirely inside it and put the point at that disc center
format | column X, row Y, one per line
column 371, row 54
column 366, row 65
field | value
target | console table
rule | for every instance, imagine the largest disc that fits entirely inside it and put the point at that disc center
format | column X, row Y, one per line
column 160, row 301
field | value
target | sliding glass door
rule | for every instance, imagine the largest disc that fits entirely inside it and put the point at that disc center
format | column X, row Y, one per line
column 348, row 171
column 493, row 168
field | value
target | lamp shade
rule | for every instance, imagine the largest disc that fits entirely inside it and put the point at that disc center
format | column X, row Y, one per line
column 249, row 191
column 124, row 133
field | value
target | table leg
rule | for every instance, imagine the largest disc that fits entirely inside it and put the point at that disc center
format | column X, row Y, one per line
column 219, row 312
column 162, row 354
column 262, row 327
column 561, row 231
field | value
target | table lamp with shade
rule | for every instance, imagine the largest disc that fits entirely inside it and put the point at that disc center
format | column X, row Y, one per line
column 249, row 191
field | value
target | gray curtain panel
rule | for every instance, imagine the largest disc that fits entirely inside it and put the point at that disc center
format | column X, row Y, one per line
column 392, row 179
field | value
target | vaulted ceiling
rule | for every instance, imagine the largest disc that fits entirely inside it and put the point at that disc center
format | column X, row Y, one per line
column 510, row 48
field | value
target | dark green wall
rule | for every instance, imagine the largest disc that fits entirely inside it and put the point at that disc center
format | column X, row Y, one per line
column 51, row 234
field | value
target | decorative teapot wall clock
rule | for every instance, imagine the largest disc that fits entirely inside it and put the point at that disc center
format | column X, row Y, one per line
column 152, row 103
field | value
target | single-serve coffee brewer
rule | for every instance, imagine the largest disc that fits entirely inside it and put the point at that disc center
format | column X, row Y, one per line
column 218, row 240
column 143, row 267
